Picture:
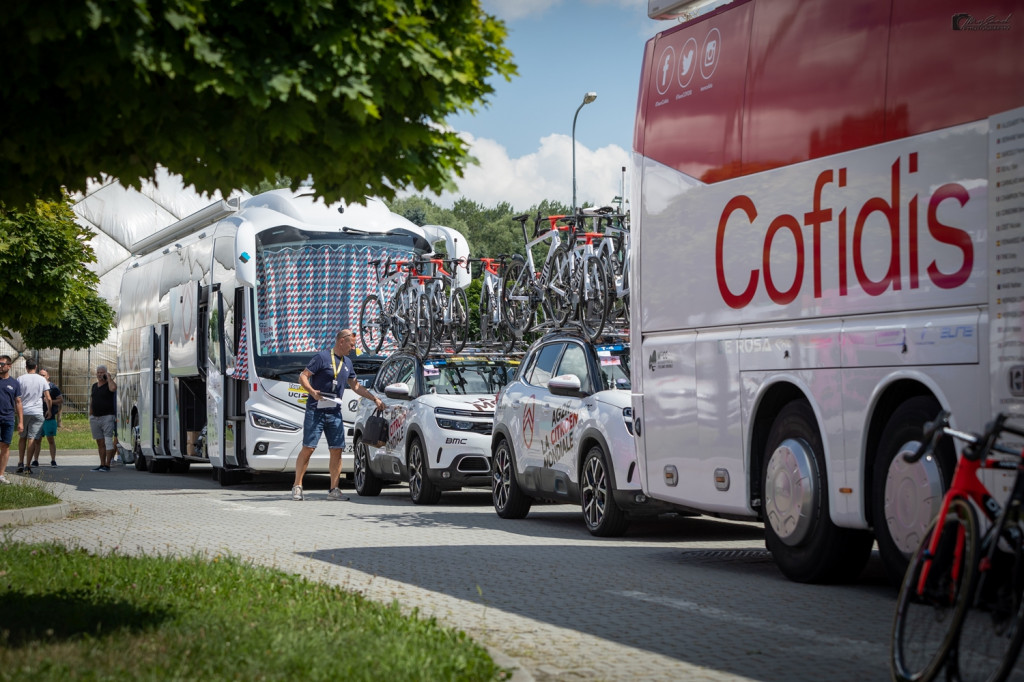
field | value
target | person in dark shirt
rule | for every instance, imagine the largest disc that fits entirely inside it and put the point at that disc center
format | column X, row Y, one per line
column 52, row 422
column 330, row 371
column 10, row 411
column 102, row 416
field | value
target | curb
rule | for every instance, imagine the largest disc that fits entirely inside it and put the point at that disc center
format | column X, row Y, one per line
column 27, row 515
column 500, row 658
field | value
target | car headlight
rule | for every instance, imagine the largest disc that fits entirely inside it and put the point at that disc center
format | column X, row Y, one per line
column 627, row 416
column 448, row 418
column 262, row 421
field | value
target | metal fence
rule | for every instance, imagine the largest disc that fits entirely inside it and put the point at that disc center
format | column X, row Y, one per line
column 74, row 372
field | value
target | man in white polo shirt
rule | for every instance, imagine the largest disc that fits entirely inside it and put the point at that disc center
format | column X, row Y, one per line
column 35, row 399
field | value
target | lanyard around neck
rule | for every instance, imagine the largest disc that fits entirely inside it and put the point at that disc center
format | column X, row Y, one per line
column 336, row 368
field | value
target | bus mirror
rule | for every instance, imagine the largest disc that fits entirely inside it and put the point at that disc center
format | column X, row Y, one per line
column 245, row 255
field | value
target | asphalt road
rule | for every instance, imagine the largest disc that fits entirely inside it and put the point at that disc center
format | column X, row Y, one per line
column 675, row 599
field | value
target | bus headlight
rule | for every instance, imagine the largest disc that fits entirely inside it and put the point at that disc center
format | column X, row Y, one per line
column 262, row 421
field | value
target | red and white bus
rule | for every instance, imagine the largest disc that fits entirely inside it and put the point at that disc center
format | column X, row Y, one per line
column 828, row 247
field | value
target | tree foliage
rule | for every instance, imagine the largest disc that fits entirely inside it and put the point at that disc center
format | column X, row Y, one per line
column 227, row 93
column 82, row 324
column 43, row 257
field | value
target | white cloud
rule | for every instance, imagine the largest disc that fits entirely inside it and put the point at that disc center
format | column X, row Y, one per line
column 510, row 10
column 543, row 174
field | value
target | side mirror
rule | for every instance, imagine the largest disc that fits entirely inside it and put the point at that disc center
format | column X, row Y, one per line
column 566, row 385
column 399, row 391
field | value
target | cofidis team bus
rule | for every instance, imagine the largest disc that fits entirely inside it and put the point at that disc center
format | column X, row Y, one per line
column 828, row 248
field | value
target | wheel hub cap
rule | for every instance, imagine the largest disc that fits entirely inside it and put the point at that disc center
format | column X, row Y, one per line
column 913, row 493
column 790, row 491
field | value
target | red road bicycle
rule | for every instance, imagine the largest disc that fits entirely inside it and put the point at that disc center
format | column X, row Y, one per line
column 960, row 606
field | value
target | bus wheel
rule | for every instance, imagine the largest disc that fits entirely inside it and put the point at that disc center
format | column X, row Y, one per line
column 799, row 533
column 906, row 497
column 140, row 459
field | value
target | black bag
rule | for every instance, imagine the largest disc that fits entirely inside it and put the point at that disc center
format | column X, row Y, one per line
column 375, row 433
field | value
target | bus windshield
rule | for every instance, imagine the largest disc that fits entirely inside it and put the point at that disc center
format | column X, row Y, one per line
column 310, row 286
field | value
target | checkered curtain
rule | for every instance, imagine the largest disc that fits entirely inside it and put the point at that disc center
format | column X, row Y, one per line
column 307, row 294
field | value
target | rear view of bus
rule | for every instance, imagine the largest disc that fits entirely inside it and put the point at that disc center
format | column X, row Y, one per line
column 828, row 248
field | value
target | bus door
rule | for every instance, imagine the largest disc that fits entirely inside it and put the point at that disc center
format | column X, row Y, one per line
column 215, row 368
column 161, row 393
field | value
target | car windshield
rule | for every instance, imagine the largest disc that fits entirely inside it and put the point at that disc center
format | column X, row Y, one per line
column 465, row 376
column 614, row 360
column 310, row 286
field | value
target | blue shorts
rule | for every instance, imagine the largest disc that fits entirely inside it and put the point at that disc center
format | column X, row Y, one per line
column 6, row 432
column 327, row 422
column 50, row 428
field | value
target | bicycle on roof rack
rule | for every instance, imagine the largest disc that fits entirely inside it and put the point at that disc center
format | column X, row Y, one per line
column 494, row 327
column 449, row 304
column 378, row 314
column 526, row 291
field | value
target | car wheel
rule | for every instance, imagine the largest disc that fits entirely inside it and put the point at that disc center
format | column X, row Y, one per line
column 421, row 489
column 799, row 532
column 367, row 485
column 603, row 516
column 510, row 502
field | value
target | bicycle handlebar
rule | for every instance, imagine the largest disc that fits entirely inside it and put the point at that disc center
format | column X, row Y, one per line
column 978, row 445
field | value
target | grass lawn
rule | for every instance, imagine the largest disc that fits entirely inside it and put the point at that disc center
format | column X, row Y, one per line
column 22, row 496
column 68, row 614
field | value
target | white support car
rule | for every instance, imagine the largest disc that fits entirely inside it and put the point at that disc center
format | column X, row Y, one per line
column 440, row 413
column 563, row 432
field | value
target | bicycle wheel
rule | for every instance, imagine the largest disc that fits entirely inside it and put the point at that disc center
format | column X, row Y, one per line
column 458, row 327
column 593, row 310
column 421, row 324
column 559, row 295
column 516, row 285
column 991, row 634
column 403, row 311
column 928, row 619
column 372, row 324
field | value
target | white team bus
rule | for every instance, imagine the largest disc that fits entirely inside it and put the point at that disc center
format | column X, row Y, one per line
column 828, row 247
column 220, row 312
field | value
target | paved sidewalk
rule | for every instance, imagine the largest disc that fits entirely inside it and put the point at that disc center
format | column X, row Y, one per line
column 445, row 547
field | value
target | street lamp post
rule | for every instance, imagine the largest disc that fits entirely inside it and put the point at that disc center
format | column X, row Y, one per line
column 587, row 99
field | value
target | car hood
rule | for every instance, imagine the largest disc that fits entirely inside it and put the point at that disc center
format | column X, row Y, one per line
column 479, row 402
column 614, row 398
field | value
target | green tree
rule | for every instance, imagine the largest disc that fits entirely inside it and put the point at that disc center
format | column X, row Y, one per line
column 82, row 324
column 43, row 257
column 227, row 93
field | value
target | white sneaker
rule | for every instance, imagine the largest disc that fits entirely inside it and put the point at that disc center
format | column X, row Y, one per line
column 297, row 492
column 4, row 481
column 335, row 494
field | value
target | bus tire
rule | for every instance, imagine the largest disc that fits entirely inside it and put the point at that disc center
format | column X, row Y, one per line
column 799, row 532
column 906, row 497
column 140, row 459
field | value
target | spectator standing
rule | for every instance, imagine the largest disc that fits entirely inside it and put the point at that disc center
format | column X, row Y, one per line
column 35, row 400
column 328, row 372
column 102, row 416
column 10, row 412
column 52, row 421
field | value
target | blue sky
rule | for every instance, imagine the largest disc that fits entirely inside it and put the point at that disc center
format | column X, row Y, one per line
column 522, row 138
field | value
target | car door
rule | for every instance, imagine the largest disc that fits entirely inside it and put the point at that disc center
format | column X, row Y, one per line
column 536, row 406
column 565, row 415
column 398, row 411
